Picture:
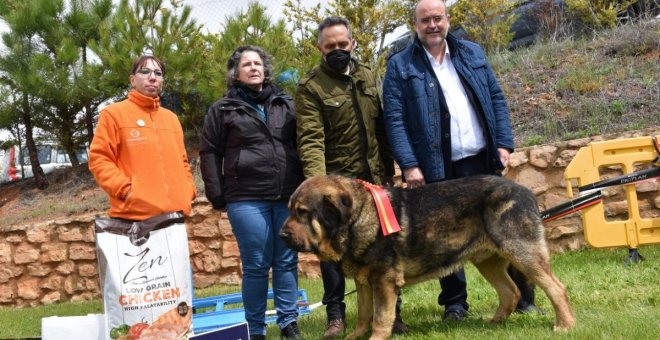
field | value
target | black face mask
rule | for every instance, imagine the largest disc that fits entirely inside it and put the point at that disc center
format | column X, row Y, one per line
column 338, row 59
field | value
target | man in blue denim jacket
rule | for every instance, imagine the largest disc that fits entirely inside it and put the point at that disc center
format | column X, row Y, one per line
column 446, row 117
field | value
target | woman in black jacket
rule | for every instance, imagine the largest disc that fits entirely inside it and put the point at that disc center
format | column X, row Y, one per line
column 250, row 165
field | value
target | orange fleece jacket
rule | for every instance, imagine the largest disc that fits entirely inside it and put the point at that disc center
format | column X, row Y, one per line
column 138, row 157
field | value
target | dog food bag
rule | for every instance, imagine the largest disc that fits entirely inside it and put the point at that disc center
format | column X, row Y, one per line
column 144, row 270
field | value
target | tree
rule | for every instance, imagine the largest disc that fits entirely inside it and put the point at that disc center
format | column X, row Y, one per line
column 252, row 27
column 9, row 116
column 64, row 80
column 56, row 69
column 487, row 22
column 67, row 81
column 371, row 21
column 141, row 27
column 9, row 113
column 10, row 120
column 305, row 22
column 597, row 14
column 24, row 21
column 83, row 25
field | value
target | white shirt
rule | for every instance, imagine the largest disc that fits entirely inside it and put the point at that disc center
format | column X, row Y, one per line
column 467, row 134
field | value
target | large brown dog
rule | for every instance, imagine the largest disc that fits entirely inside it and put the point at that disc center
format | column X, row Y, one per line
column 487, row 220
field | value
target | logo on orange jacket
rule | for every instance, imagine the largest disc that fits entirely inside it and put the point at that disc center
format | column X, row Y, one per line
column 135, row 138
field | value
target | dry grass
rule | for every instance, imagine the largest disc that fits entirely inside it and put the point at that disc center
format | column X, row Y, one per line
column 560, row 90
column 71, row 192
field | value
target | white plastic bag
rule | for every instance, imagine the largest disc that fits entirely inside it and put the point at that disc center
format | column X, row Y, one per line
column 144, row 270
column 89, row 327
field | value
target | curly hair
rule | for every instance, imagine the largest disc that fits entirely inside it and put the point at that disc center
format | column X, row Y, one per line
column 234, row 61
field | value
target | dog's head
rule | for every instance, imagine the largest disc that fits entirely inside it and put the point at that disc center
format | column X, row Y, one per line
column 319, row 211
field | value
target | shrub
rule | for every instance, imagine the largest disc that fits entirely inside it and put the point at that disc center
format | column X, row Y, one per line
column 581, row 80
column 487, row 22
column 617, row 107
column 598, row 14
column 533, row 140
column 631, row 40
column 550, row 17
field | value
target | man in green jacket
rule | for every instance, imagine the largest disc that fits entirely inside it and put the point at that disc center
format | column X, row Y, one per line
column 340, row 130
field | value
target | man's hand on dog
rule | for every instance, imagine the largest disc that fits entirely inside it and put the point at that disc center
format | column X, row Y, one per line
column 414, row 177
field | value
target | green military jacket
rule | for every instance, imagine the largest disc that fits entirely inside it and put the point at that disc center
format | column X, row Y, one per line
column 340, row 126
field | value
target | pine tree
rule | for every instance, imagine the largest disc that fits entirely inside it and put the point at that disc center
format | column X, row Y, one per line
column 487, row 22
column 253, row 27
column 67, row 80
column 17, row 73
column 83, row 25
column 63, row 81
column 140, row 27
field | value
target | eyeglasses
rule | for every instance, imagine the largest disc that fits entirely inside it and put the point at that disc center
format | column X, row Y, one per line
column 437, row 19
column 147, row 71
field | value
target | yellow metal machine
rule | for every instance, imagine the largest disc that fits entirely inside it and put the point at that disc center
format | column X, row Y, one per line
column 628, row 153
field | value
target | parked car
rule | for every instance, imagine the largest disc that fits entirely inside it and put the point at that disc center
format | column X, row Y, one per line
column 529, row 24
column 535, row 16
column 525, row 28
column 51, row 157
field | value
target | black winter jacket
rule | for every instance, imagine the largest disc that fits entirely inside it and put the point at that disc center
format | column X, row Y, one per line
column 244, row 158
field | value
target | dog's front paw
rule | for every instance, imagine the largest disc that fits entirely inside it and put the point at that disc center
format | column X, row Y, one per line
column 375, row 336
column 353, row 335
column 358, row 332
column 563, row 327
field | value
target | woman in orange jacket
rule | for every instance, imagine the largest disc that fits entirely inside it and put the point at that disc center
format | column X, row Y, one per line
column 137, row 155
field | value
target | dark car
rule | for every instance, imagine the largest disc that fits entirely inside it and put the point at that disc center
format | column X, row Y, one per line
column 526, row 28
column 532, row 17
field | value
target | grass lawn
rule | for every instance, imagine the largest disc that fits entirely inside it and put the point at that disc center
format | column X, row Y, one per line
column 610, row 300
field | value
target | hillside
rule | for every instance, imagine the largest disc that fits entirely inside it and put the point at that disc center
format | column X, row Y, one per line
column 579, row 88
column 558, row 90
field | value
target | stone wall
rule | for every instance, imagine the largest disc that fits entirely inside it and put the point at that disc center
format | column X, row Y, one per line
column 43, row 263
column 56, row 261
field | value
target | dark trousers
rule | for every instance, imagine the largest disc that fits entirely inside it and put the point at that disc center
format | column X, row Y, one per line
column 334, row 285
column 524, row 285
column 453, row 294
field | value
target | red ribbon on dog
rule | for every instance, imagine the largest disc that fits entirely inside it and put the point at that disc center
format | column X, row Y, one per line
column 388, row 222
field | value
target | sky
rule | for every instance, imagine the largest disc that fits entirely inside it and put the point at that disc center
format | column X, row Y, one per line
column 212, row 13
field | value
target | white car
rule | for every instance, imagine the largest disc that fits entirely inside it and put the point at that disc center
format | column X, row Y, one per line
column 51, row 157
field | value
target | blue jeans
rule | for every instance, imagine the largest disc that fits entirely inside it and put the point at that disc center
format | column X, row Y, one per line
column 256, row 225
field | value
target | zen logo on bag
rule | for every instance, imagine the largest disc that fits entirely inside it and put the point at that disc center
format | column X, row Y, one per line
column 144, row 270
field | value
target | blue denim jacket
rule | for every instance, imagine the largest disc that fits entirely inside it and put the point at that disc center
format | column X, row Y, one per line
column 412, row 106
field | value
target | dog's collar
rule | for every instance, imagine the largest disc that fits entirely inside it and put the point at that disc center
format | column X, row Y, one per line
column 388, row 222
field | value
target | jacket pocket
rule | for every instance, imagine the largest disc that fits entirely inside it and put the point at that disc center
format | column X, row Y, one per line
column 338, row 159
column 332, row 110
column 421, row 98
column 254, row 161
column 415, row 85
column 480, row 71
column 372, row 103
column 139, row 199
